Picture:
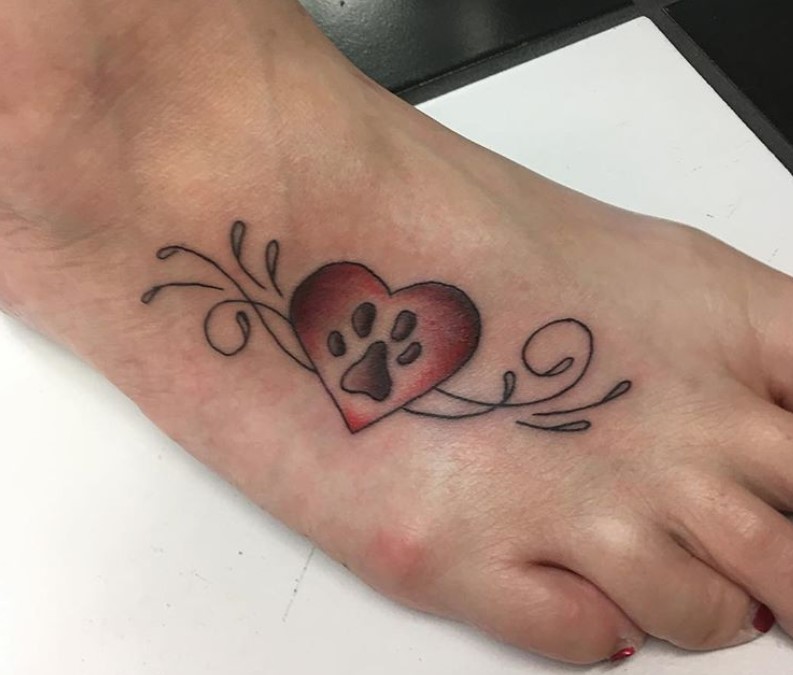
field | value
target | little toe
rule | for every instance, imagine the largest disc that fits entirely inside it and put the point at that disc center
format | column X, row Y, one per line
column 763, row 460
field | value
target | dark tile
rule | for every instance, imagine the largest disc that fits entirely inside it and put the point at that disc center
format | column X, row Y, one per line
column 402, row 43
column 752, row 42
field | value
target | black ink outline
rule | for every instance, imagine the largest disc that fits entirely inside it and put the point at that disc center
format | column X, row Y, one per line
column 363, row 319
column 618, row 391
column 337, row 345
column 566, row 428
column 560, row 368
column 404, row 326
column 237, row 240
column 261, row 309
column 167, row 252
column 410, row 354
column 271, row 255
column 152, row 293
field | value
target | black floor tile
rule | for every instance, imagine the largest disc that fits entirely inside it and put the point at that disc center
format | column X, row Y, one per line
column 752, row 42
column 403, row 43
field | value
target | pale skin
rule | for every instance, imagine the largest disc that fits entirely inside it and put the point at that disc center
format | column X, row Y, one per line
column 128, row 126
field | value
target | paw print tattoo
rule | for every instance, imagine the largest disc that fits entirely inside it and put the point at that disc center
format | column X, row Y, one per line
column 371, row 374
column 378, row 350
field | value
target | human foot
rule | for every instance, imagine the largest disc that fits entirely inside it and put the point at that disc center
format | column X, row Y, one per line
column 658, row 518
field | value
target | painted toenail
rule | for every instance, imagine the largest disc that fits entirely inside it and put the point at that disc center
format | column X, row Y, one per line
column 623, row 654
column 764, row 619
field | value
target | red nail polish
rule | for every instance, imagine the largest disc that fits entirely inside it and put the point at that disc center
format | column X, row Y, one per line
column 623, row 654
column 764, row 620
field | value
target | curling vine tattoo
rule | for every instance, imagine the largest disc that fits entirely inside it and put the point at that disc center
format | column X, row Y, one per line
column 378, row 351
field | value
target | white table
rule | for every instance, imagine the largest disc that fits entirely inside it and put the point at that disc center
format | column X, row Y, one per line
column 122, row 556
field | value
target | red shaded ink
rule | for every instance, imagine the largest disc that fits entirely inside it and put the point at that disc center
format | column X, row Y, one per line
column 376, row 350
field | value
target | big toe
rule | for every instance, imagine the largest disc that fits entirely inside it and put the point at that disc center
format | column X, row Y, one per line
column 549, row 611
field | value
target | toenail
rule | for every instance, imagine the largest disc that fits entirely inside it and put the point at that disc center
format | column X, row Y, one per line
column 764, row 619
column 623, row 654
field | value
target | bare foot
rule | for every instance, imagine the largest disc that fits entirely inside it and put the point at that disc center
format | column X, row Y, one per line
column 491, row 397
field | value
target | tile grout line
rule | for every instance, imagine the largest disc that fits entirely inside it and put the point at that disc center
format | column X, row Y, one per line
column 716, row 78
column 513, row 56
column 655, row 10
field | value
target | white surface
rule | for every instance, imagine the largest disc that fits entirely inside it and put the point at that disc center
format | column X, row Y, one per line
column 122, row 556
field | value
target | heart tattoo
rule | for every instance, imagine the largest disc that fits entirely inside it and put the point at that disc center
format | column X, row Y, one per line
column 378, row 351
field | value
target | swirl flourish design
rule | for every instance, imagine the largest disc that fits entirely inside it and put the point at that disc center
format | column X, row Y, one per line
column 539, row 413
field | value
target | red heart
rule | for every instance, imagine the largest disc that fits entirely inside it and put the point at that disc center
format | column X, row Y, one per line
column 374, row 349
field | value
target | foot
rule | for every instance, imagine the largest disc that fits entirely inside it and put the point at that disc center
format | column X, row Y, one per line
column 492, row 398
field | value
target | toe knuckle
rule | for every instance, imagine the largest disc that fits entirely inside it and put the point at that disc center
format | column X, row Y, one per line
column 752, row 533
column 772, row 434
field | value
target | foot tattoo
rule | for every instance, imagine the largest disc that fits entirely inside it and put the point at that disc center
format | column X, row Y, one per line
column 398, row 346
column 378, row 351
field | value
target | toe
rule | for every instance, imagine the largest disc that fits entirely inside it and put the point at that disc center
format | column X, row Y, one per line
column 551, row 612
column 664, row 589
column 770, row 303
column 762, row 460
column 748, row 541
